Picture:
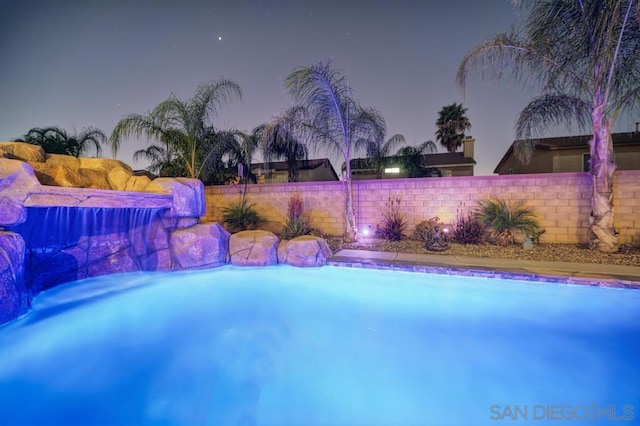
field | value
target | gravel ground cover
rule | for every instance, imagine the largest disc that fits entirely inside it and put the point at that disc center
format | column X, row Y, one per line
column 627, row 255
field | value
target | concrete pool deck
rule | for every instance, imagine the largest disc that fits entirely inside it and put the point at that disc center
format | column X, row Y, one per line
column 605, row 275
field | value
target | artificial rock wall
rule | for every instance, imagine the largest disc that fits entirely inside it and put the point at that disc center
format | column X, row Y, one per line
column 55, row 234
column 561, row 201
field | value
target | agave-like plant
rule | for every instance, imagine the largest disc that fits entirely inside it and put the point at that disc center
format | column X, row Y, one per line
column 241, row 215
column 506, row 219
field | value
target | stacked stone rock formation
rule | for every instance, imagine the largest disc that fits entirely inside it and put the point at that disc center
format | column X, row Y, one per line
column 69, row 171
column 14, row 300
column 110, row 231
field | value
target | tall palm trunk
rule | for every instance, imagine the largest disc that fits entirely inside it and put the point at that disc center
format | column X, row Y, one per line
column 603, row 235
column 293, row 170
column 351, row 230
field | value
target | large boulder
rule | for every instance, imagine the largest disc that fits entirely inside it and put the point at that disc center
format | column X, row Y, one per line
column 17, row 180
column 306, row 250
column 253, row 248
column 64, row 160
column 22, row 151
column 97, row 179
column 201, row 246
column 188, row 195
column 59, row 175
column 118, row 178
column 14, row 298
column 110, row 254
column 137, row 183
column 104, row 164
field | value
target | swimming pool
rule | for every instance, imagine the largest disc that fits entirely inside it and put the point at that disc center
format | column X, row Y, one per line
column 332, row 345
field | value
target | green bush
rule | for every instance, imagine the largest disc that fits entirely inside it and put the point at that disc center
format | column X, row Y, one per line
column 297, row 222
column 393, row 222
column 241, row 216
column 425, row 230
column 506, row 219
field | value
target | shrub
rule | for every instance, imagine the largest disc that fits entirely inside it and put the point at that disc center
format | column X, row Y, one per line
column 297, row 222
column 506, row 219
column 296, row 227
column 393, row 222
column 467, row 228
column 241, row 216
column 295, row 208
column 425, row 230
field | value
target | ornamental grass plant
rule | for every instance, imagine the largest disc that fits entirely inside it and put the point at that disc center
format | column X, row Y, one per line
column 393, row 224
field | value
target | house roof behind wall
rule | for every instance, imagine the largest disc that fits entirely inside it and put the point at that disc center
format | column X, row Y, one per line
column 281, row 166
column 446, row 159
column 572, row 142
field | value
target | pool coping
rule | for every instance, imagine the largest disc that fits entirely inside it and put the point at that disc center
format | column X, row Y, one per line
column 598, row 275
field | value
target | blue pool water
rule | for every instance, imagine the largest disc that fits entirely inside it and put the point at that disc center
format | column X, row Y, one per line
column 321, row 346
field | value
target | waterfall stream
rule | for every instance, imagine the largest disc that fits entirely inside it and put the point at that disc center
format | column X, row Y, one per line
column 69, row 243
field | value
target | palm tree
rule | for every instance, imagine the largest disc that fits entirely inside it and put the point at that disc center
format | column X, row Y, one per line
column 584, row 56
column 452, row 124
column 281, row 140
column 55, row 140
column 377, row 150
column 159, row 158
column 411, row 158
column 239, row 148
column 337, row 121
column 183, row 128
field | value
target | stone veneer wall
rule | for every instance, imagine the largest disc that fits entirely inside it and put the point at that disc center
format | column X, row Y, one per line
column 561, row 201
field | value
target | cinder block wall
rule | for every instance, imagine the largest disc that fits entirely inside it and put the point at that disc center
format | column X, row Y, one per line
column 626, row 204
column 561, row 201
column 323, row 201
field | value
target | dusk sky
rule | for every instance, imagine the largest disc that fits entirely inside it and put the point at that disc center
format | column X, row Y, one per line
column 79, row 63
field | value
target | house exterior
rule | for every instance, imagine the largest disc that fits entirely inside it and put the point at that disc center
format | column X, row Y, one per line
column 571, row 154
column 449, row 164
column 310, row 171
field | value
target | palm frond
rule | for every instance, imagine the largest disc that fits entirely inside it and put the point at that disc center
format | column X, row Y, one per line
column 427, row 147
column 544, row 112
column 153, row 153
column 211, row 96
column 135, row 125
column 367, row 126
column 327, row 96
column 528, row 64
column 281, row 138
column 392, row 143
column 94, row 136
